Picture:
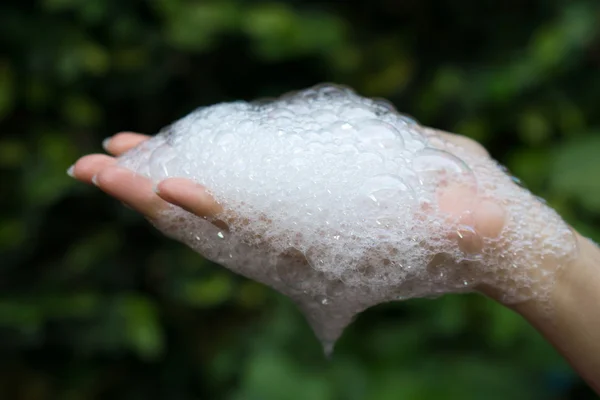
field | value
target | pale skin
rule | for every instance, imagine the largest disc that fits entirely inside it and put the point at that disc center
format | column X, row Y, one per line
column 573, row 328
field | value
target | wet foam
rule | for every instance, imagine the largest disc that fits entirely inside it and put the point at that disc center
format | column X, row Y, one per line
column 334, row 200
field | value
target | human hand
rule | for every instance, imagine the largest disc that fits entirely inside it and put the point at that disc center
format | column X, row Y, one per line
column 139, row 193
column 572, row 332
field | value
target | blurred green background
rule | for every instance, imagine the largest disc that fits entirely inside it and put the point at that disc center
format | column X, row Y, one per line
column 95, row 305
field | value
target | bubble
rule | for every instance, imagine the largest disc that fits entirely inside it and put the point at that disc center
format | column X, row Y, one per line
column 158, row 162
column 438, row 167
column 470, row 242
column 341, row 129
column 330, row 91
column 378, row 134
column 407, row 119
column 383, row 106
column 357, row 112
column 386, row 195
column 438, row 161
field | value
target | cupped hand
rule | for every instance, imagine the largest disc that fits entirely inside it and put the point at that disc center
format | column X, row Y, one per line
column 573, row 333
column 139, row 193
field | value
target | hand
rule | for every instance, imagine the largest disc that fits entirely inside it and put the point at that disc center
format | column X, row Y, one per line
column 136, row 191
column 575, row 324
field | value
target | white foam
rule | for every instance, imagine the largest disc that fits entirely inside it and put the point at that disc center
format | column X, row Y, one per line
column 332, row 199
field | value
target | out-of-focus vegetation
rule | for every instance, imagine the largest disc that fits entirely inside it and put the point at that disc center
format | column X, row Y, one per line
column 95, row 305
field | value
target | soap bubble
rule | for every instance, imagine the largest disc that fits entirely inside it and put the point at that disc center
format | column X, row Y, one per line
column 431, row 164
column 159, row 160
column 376, row 134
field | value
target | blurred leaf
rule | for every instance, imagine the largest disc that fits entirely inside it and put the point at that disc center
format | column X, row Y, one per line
column 450, row 315
column 280, row 32
column 20, row 314
column 272, row 27
column 533, row 127
column 393, row 384
column 207, row 292
column 80, row 110
column 392, row 342
column 351, row 378
column 555, row 47
column 84, row 252
column 142, row 326
column 575, row 171
column 553, row 43
column 195, row 26
column 504, row 326
column 45, row 178
column 90, row 11
column 273, row 376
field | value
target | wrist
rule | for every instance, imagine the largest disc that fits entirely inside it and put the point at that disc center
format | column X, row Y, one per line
column 569, row 319
column 571, row 283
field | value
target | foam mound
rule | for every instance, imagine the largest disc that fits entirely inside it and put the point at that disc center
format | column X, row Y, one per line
column 334, row 200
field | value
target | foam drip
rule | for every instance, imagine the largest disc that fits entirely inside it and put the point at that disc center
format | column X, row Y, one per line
column 334, row 200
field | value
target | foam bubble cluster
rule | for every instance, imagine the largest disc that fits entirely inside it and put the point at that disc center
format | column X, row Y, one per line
column 334, row 200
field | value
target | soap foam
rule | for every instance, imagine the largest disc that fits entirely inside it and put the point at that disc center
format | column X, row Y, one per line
column 332, row 199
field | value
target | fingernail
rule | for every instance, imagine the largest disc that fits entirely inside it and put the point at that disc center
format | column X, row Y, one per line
column 156, row 189
column 95, row 180
column 105, row 143
column 71, row 171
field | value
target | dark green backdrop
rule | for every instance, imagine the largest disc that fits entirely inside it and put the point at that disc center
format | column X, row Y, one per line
column 95, row 305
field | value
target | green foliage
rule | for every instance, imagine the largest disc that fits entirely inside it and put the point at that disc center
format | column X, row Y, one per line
column 94, row 304
column 581, row 183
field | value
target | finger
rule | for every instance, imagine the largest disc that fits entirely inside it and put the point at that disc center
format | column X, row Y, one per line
column 456, row 198
column 136, row 191
column 122, row 142
column 479, row 218
column 190, row 196
column 489, row 218
column 86, row 167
